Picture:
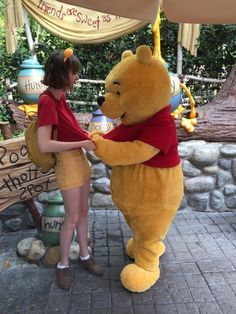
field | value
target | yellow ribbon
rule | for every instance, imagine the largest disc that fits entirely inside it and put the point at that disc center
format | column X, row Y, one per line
column 188, row 124
column 177, row 112
column 29, row 109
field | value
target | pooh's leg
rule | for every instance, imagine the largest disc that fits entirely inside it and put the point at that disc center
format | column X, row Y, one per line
column 149, row 216
column 146, row 247
column 129, row 245
column 130, row 248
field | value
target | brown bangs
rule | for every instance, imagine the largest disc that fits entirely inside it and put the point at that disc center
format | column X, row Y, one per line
column 73, row 64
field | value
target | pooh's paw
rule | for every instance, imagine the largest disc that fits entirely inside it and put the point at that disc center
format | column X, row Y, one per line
column 137, row 279
column 100, row 133
column 130, row 248
column 95, row 137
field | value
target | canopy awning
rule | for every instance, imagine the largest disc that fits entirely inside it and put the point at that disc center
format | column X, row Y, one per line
column 200, row 11
column 13, row 16
column 92, row 21
column 80, row 25
column 179, row 11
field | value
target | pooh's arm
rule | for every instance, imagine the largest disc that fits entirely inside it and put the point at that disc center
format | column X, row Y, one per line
column 123, row 153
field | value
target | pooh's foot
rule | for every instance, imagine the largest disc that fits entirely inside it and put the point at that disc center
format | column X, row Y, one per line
column 137, row 279
column 130, row 248
column 162, row 249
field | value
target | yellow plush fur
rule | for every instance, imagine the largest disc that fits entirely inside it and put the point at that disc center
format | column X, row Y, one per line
column 138, row 87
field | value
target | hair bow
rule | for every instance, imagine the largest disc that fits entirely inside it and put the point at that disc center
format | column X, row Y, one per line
column 68, row 52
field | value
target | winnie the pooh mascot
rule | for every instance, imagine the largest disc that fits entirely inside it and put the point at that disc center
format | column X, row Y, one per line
column 146, row 180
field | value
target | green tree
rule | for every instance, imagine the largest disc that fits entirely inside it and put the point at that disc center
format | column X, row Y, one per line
column 216, row 56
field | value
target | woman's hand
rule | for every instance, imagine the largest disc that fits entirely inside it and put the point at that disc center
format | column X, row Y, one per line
column 88, row 145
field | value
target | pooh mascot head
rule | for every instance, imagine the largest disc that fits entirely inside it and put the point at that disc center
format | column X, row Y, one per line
column 146, row 180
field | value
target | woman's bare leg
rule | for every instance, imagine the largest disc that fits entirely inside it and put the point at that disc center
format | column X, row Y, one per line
column 71, row 199
column 82, row 226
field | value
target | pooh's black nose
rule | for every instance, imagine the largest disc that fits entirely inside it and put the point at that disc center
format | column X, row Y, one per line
column 100, row 100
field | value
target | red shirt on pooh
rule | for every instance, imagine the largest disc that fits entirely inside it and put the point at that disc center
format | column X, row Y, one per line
column 158, row 131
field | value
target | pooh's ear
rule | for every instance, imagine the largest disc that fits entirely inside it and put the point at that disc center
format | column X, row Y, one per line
column 126, row 54
column 144, row 54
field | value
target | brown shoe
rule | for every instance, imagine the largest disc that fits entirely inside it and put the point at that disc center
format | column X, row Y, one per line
column 63, row 278
column 92, row 266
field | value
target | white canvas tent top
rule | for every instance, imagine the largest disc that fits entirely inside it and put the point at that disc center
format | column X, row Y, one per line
column 180, row 11
column 92, row 21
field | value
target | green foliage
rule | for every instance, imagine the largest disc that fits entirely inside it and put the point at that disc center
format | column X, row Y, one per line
column 216, row 56
column 217, row 51
column 10, row 63
column 168, row 32
column 5, row 112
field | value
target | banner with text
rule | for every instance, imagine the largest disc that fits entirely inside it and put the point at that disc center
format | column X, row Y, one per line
column 77, row 24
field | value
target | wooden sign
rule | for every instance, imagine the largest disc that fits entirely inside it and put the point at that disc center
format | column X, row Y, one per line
column 21, row 180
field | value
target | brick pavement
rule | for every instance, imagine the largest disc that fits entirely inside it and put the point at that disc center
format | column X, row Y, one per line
column 198, row 271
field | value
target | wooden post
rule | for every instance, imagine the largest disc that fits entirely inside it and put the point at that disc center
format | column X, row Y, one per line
column 29, row 35
column 5, row 130
column 32, row 208
column 179, row 59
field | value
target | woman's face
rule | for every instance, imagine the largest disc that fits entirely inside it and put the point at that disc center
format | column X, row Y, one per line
column 73, row 77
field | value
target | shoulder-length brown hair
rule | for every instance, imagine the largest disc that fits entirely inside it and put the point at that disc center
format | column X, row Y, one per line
column 57, row 71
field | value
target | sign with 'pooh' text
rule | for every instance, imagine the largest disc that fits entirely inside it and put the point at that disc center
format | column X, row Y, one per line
column 20, row 180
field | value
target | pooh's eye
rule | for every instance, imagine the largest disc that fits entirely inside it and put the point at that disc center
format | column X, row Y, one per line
column 116, row 87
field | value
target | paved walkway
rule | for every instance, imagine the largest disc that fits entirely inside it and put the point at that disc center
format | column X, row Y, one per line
column 198, row 271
